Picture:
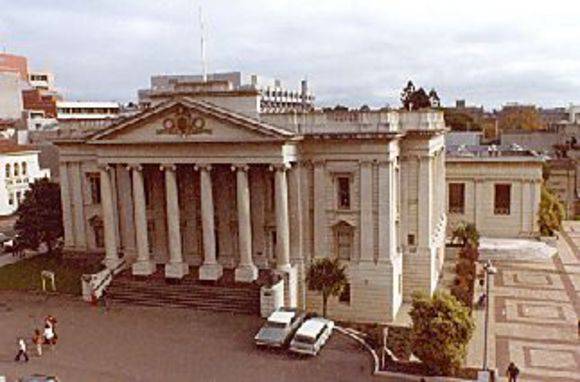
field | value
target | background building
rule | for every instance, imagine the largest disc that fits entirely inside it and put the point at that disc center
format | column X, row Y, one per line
column 497, row 188
column 18, row 168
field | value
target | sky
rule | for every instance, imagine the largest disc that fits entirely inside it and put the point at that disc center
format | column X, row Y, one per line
column 352, row 52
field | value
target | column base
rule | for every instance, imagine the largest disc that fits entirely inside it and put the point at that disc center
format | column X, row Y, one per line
column 210, row 272
column 287, row 268
column 246, row 273
column 143, row 268
column 112, row 263
column 176, row 270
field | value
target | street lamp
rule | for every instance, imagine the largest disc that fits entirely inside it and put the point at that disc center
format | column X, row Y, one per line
column 489, row 270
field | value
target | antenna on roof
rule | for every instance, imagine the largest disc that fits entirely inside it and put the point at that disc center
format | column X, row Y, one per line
column 203, row 61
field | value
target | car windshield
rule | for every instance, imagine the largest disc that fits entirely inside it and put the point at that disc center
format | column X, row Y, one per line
column 304, row 339
column 276, row 325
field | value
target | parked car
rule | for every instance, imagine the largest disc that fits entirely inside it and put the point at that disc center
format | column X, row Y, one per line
column 279, row 328
column 39, row 378
column 311, row 336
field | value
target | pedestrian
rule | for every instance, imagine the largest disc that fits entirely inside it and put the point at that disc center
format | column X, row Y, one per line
column 512, row 372
column 49, row 336
column 21, row 351
column 38, row 340
column 51, row 321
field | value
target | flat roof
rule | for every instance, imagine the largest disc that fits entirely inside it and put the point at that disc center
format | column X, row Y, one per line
column 87, row 104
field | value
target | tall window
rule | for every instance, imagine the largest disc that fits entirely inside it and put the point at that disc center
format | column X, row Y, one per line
column 95, row 187
column 456, row 198
column 345, row 295
column 502, row 202
column 8, row 170
column 24, row 168
column 343, row 239
column 16, row 169
column 343, row 192
column 99, row 235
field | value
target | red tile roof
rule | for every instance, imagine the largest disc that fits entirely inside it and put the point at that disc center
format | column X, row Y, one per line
column 7, row 146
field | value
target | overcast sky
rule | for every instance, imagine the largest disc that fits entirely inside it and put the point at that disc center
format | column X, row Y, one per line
column 352, row 52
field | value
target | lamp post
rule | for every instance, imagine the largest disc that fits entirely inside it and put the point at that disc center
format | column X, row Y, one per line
column 489, row 270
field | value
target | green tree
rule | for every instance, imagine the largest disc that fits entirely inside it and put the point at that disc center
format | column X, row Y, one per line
column 442, row 328
column 39, row 216
column 551, row 212
column 459, row 121
column 467, row 234
column 328, row 277
column 521, row 118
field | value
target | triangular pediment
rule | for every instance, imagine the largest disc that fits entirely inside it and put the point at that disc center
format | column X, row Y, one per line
column 186, row 120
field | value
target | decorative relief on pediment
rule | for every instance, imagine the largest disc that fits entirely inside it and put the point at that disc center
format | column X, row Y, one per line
column 184, row 123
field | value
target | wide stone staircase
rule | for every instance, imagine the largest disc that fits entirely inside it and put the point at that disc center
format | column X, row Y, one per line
column 154, row 290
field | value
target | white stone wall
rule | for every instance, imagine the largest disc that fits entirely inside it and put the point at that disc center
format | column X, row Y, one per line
column 480, row 178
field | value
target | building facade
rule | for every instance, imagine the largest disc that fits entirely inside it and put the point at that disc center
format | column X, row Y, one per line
column 496, row 188
column 204, row 180
column 18, row 169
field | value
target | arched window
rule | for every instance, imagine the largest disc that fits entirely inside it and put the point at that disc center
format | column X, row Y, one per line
column 8, row 170
column 343, row 239
column 16, row 169
column 24, row 168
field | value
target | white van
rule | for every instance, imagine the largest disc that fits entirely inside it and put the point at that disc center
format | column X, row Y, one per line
column 311, row 336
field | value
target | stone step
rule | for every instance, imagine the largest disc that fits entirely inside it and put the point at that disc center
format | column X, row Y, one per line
column 188, row 297
column 201, row 294
column 209, row 307
column 187, row 301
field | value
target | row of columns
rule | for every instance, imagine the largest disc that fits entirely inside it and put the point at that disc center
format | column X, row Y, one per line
column 210, row 269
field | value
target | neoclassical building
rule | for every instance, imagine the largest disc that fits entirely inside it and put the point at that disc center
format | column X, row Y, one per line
column 202, row 181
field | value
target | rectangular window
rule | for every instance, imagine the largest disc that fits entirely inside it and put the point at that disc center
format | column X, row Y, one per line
column 456, row 198
column 95, row 187
column 411, row 239
column 344, row 241
column 11, row 199
column 345, row 295
column 343, row 187
column 502, row 201
column 99, row 236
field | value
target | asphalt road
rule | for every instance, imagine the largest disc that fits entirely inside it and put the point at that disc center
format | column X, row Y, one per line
column 155, row 344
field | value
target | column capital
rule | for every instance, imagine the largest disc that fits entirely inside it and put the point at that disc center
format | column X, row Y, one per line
column 104, row 167
column 134, row 167
column 280, row 167
column 167, row 167
column 239, row 167
column 203, row 167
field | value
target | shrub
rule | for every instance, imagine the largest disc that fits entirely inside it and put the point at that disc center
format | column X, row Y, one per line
column 467, row 234
column 441, row 330
column 551, row 213
column 399, row 342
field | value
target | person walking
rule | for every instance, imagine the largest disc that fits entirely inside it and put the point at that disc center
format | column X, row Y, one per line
column 21, row 350
column 38, row 340
column 512, row 372
column 49, row 336
column 51, row 321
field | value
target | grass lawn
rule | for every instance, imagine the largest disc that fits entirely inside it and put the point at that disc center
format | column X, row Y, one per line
column 25, row 274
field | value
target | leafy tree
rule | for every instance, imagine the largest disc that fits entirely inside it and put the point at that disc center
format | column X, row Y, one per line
column 441, row 330
column 467, row 234
column 551, row 212
column 415, row 99
column 328, row 277
column 39, row 216
column 521, row 118
column 459, row 121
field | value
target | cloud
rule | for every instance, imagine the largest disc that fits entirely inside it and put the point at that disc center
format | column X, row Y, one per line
column 352, row 52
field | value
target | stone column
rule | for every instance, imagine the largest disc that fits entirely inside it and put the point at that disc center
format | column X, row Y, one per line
column 144, row 265
column 111, row 254
column 282, row 220
column 78, row 204
column 65, row 194
column 478, row 198
column 425, row 204
column 126, row 213
column 176, row 268
column 386, row 212
column 210, row 270
column 366, row 212
column 246, row 270
column 319, row 206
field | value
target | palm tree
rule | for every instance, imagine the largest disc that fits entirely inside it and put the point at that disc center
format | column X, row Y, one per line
column 328, row 277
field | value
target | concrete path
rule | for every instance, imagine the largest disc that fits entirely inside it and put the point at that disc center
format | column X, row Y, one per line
column 535, row 313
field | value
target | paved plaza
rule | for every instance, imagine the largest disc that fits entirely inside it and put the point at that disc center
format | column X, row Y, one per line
column 130, row 343
column 535, row 311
